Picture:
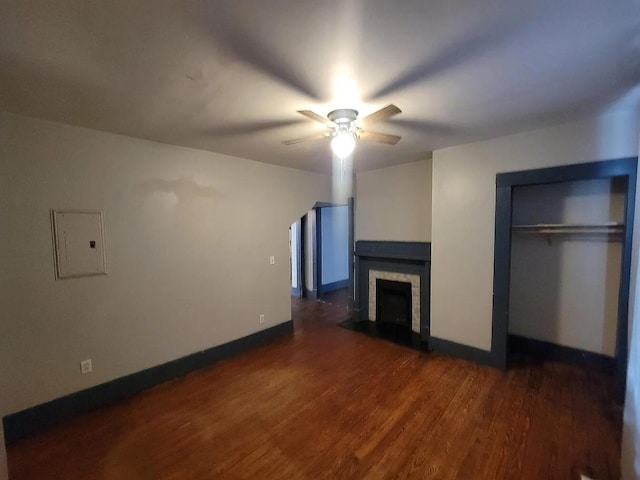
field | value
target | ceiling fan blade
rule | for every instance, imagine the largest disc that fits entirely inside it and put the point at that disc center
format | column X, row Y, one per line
column 315, row 136
column 318, row 118
column 382, row 114
column 380, row 137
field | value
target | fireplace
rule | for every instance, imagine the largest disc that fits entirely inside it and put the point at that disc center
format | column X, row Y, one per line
column 392, row 285
column 393, row 302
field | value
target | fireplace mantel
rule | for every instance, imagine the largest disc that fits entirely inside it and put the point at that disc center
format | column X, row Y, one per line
column 419, row 251
column 412, row 258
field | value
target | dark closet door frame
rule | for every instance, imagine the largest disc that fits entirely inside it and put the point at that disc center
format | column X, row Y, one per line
column 317, row 248
column 351, row 204
column 626, row 169
column 303, row 256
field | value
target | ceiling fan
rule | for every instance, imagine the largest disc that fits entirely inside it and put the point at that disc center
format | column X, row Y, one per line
column 344, row 128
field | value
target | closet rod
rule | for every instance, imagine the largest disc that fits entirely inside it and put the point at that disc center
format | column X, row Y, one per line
column 610, row 227
column 549, row 229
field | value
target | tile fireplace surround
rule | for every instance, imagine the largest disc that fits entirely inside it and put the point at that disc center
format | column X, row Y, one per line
column 413, row 279
column 400, row 261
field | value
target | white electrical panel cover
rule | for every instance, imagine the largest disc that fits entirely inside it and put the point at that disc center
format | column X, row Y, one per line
column 79, row 243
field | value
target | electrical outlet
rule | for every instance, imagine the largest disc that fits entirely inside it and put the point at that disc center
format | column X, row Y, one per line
column 272, row 260
column 262, row 318
column 86, row 366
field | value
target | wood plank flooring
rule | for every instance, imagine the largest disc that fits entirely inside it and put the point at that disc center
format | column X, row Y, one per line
column 330, row 403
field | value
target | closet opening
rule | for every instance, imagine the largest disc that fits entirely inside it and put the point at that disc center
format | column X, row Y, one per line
column 562, row 263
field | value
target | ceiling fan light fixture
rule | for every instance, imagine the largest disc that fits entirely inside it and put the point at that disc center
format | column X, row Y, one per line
column 343, row 144
column 344, row 129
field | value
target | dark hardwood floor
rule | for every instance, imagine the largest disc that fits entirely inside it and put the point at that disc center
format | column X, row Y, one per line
column 329, row 403
column 339, row 298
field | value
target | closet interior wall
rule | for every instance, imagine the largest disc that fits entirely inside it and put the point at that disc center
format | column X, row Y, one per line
column 564, row 284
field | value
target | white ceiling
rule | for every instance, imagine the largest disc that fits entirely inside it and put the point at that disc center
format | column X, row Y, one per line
column 228, row 76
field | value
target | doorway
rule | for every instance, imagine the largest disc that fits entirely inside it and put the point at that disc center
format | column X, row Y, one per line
column 321, row 247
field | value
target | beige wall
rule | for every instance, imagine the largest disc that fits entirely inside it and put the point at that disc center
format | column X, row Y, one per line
column 394, row 203
column 564, row 288
column 188, row 240
column 464, row 210
column 630, row 430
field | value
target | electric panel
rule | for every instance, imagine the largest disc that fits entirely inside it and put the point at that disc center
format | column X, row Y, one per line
column 79, row 243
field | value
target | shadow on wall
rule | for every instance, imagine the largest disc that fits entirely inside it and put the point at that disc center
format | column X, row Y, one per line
column 184, row 189
column 188, row 214
column 614, row 261
column 619, row 129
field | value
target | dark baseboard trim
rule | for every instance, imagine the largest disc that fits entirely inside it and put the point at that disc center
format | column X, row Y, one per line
column 459, row 350
column 560, row 353
column 27, row 422
column 296, row 291
column 330, row 287
column 311, row 294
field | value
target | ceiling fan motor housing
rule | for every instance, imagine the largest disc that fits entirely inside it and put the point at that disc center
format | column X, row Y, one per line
column 343, row 115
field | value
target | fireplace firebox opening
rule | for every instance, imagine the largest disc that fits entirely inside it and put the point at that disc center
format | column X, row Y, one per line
column 393, row 302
